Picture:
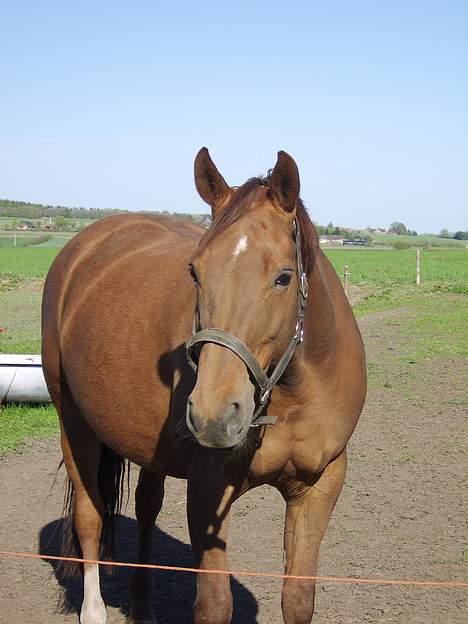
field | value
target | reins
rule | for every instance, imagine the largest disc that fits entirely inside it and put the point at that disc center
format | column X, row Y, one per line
column 223, row 338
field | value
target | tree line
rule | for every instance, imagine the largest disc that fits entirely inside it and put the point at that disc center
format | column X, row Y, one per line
column 27, row 210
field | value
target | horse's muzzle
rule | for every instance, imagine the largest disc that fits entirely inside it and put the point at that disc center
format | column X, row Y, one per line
column 225, row 430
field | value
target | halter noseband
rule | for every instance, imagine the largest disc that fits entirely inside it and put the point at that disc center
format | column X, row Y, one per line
column 225, row 339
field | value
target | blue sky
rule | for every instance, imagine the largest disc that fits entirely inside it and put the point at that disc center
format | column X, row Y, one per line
column 106, row 104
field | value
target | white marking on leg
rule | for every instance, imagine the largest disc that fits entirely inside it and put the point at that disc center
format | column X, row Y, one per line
column 93, row 610
column 241, row 245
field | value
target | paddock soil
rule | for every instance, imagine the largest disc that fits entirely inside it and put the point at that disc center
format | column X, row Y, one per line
column 401, row 514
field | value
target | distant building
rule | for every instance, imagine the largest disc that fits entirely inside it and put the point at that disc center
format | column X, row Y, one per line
column 355, row 242
column 26, row 225
column 331, row 240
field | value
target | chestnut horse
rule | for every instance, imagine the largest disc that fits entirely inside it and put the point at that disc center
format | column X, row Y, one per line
column 193, row 354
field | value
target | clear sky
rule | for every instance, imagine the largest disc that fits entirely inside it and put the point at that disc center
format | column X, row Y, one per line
column 105, row 104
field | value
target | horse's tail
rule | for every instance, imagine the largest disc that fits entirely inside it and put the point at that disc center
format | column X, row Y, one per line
column 112, row 476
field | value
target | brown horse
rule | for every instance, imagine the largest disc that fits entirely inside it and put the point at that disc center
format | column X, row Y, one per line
column 120, row 303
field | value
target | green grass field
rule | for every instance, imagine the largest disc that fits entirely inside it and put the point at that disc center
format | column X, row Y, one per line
column 18, row 423
column 417, row 241
column 25, row 263
column 24, row 240
column 34, row 239
column 386, row 277
column 391, row 267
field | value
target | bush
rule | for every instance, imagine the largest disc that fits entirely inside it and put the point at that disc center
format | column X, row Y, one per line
column 401, row 244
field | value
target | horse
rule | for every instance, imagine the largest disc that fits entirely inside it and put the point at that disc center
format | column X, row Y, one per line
column 227, row 356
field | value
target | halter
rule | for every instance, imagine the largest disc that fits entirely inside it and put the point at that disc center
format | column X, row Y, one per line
column 223, row 338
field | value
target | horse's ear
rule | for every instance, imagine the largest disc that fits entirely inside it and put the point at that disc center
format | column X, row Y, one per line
column 285, row 182
column 210, row 184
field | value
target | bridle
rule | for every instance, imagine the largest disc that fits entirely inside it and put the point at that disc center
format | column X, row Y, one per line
column 223, row 338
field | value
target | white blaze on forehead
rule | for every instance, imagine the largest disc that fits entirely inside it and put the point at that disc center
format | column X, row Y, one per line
column 241, row 245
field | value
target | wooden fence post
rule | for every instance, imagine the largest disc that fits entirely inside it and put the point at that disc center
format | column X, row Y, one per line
column 346, row 276
column 418, row 267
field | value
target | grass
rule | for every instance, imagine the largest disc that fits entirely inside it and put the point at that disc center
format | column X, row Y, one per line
column 390, row 268
column 438, row 328
column 55, row 241
column 24, row 240
column 18, row 264
column 20, row 422
column 20, row 319
column 424, row 240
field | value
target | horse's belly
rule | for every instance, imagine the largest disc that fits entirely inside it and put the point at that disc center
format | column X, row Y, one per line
column 123, row 399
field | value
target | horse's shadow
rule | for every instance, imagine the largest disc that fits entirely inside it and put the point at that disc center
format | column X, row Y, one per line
column 174, row 592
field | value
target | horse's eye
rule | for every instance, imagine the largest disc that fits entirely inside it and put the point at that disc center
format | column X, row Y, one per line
column 193, row 275
column 283, row 280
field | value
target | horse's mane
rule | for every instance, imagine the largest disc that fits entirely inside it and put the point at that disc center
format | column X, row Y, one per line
column 237, row 207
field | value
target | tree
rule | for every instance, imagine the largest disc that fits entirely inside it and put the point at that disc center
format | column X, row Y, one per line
column 445, row 233
column 461, row 235
column 398, row 228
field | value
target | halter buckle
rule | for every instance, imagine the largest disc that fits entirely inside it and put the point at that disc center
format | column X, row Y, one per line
column 304, row 286
column 264, row 395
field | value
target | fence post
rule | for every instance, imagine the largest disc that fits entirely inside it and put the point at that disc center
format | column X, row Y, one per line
column 346, row 276
column 418, row 267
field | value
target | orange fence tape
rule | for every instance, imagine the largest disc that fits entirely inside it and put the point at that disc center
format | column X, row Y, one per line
column 325, row 579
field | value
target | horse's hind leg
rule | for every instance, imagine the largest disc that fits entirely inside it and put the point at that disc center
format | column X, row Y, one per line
column 81, row 453
column 148, row 502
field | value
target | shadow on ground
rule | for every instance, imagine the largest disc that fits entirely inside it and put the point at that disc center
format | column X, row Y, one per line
column 174, row 592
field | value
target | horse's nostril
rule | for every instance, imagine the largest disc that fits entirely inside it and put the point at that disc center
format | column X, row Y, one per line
column 234, row 424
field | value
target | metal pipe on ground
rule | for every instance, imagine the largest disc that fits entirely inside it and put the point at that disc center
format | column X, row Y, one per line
column 22, row 379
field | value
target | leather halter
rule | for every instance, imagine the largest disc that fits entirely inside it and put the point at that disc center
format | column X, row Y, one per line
column 225, row 339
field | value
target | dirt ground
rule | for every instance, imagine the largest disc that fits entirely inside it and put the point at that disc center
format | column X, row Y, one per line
column 401, row 515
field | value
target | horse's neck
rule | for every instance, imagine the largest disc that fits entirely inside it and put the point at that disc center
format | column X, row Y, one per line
column 319, row 321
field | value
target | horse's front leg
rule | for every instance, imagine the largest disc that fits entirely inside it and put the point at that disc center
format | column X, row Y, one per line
column 308, row 511
column 209, row 498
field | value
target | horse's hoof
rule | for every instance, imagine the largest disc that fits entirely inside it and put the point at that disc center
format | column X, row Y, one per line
column 142, row 616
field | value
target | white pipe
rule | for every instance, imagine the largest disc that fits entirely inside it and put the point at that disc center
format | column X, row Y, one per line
column 22, row 379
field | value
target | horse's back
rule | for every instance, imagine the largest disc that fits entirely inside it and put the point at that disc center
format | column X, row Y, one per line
column 117, row 236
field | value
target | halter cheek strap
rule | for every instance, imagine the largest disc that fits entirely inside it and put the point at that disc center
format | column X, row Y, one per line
column 228, row 340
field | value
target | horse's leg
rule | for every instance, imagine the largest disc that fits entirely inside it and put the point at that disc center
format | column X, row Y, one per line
column 308, row 511
column 209, row 498
column 148, row 502
column 81, row 453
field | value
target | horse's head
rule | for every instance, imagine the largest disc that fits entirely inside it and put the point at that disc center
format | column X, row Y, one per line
column 247, row 272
